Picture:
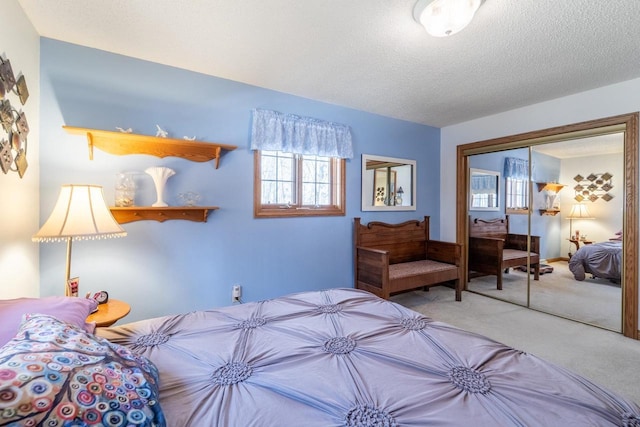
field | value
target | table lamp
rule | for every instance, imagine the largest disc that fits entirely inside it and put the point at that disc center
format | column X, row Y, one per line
column 578, row 211
column 79, row 214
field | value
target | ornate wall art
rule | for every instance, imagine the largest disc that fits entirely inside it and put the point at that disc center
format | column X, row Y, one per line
column 595, row 186
column 13, row 145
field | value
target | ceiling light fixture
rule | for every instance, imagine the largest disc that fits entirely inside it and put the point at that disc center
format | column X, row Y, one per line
column 443, row 18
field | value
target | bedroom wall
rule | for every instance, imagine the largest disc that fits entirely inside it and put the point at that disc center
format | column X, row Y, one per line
column 19, row 274
column 608, row 215
column 178, row 266
column 602, row 102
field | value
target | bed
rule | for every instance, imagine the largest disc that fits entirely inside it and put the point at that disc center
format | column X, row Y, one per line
column 602, row 260
column 338, row 357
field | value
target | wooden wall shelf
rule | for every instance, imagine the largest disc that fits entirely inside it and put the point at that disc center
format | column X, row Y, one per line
column 549, row 186
column 148, row 213
column 120, row 143
column 550, row 212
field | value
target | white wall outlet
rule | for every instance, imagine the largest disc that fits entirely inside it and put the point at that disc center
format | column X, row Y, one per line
column 236, row 293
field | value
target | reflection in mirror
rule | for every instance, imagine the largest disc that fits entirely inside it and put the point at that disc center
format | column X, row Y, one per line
column 581, row 278
column 585, row 284
column 388, row 183
column 483, row 190
column 489, row 185
column 556, row 184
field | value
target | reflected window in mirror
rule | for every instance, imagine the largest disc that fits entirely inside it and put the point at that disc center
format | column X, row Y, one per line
column 517, row 196
column 388, row 183
column 483, row 190
column 516, row 173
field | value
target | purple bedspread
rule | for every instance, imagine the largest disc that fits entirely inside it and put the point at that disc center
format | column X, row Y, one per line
column 343, row 357
column 603, row 260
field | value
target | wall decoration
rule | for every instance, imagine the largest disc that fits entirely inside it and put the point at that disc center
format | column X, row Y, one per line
column 13, row 147
column 593, row 187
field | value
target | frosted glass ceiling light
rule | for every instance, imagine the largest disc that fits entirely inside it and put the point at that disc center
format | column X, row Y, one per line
column 443, row 18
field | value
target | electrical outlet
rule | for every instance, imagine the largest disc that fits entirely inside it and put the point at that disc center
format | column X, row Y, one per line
column 236, row 293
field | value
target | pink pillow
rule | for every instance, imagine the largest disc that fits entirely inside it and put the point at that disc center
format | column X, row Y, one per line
column 72, row 310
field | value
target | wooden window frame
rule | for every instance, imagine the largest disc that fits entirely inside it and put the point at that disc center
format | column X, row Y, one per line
column 338, row 193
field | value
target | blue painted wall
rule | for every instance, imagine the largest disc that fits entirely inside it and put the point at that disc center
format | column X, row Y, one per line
column 178, row 266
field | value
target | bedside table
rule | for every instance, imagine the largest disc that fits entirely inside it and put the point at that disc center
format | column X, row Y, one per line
column 109, row 313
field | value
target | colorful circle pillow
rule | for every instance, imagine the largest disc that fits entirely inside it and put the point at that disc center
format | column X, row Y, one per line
column 56, row 374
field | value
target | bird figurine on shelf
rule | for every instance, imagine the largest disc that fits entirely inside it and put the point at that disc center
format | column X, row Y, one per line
column 161, row 133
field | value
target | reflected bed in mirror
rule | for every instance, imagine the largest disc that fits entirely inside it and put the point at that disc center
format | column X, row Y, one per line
column 483, row 190
column 388, row 184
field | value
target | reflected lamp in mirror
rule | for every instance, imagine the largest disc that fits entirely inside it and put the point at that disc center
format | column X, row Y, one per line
column 483, row 190
column 388, row 184
column 79, row 214
column 578, row 211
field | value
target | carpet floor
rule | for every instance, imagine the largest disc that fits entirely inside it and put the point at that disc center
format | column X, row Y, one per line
column 605, row 357
column 594, row 301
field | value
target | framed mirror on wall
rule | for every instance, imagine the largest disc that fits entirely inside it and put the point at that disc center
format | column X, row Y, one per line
column 484, row 187
column 388, row 184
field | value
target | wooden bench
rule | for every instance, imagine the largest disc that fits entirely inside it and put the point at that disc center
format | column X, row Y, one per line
column 391, row 258
column 492, row 249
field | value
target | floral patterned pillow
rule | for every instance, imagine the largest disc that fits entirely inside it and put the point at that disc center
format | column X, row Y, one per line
column 56, row 372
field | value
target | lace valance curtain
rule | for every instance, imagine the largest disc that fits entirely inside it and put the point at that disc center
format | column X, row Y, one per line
column 289, row 133
column 516, row 168
column 483, row 184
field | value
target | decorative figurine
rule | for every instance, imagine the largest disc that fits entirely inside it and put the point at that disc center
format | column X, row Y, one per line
column 161, row 133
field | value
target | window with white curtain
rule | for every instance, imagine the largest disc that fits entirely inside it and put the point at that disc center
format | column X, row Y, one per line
column 299, row 165
column 516, row 172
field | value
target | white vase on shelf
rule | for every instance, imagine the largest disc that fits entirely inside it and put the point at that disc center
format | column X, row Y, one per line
column 160, row 176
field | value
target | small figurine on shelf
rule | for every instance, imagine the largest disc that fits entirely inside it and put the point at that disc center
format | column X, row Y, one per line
column 161, row 133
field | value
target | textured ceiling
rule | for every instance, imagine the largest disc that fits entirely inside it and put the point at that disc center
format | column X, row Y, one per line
column 369, row 54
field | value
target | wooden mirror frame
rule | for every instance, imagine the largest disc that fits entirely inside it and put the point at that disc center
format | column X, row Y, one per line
column 627, row 123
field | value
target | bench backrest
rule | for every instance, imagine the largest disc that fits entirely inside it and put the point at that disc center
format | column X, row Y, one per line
column 497, row 227
column 405, row 242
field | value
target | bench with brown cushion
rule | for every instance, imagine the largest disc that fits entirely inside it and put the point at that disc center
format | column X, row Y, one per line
column 492, row 249
column 391, row 258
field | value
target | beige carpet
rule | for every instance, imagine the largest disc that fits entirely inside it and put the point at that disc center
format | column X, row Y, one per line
column 594, row 301
column 607, row 358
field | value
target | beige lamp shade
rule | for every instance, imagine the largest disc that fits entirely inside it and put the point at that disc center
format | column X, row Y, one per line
column 79, row 214
column 579, row 211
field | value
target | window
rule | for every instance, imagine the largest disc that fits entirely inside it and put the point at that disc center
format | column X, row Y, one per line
column 299, row 166
column 287, row 184
column 516, row 173
column 517, row 196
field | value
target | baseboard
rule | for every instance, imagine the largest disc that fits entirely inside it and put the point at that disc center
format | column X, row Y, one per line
column 554, row 260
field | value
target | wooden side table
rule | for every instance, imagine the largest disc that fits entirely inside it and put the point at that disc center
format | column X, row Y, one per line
column 109, row 313
column 577, row 243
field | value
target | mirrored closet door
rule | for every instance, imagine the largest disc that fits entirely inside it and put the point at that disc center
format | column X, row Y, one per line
column 567, row 192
